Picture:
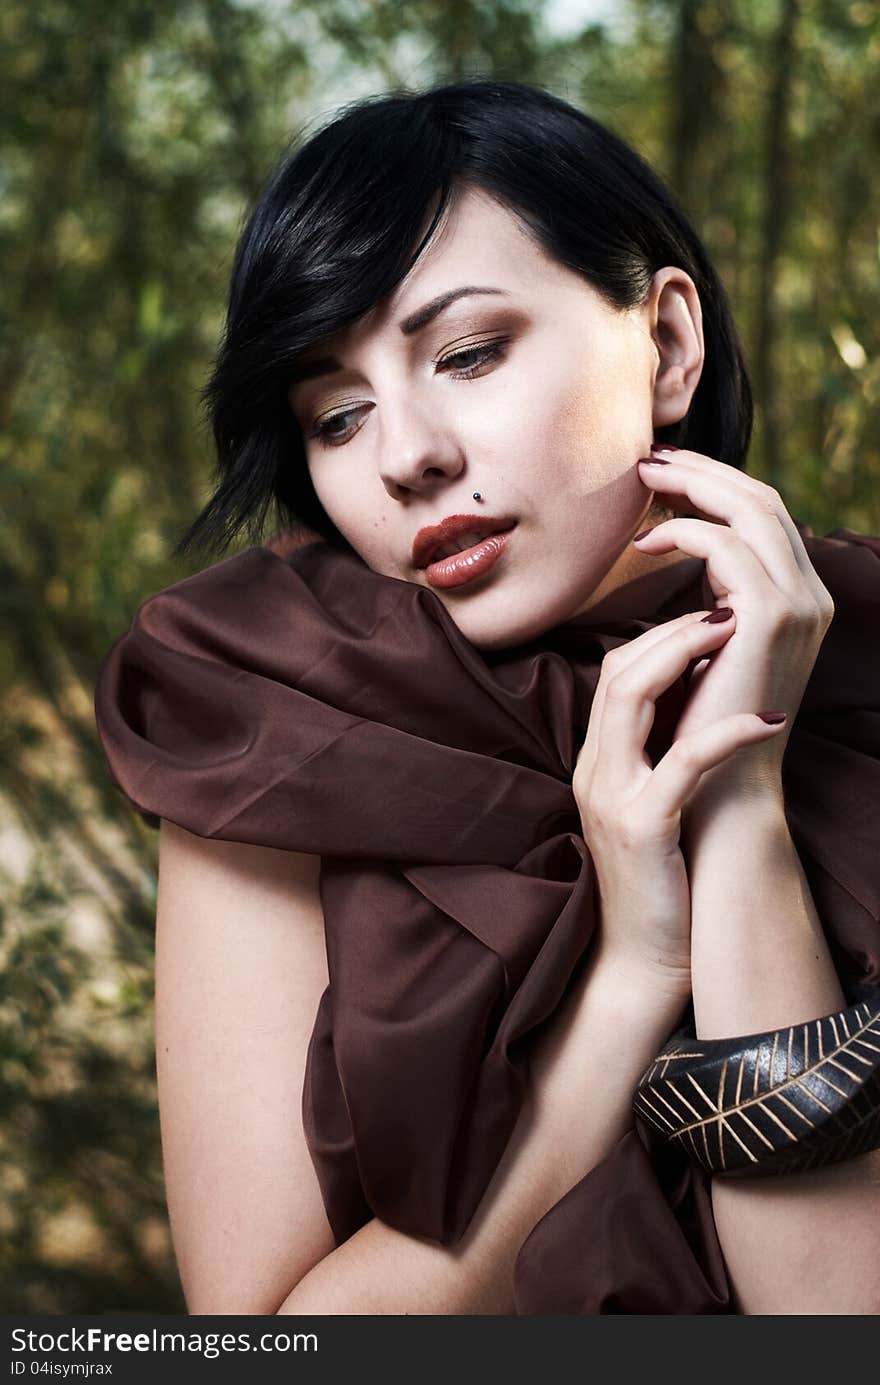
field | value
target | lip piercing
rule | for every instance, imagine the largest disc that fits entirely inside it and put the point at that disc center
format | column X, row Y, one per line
column 477, row 495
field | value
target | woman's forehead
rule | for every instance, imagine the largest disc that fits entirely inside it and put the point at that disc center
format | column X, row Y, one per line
column 477, row 232
column 481, row 250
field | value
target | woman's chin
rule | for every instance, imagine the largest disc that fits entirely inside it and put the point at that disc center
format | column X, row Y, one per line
column 505, row 623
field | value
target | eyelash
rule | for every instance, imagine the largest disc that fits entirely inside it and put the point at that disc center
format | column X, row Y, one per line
column 488, row 352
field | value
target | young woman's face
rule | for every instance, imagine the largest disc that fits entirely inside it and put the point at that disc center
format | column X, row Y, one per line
column 545, row 415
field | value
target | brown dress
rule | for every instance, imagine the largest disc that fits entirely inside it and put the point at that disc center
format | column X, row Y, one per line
column 291, row 696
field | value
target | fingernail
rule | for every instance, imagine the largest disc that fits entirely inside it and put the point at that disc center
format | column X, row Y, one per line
column 772, row 718
column 643, row 535
column 722, row 613
column 654, row 461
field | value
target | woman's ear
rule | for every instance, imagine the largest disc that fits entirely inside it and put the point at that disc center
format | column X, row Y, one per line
column 675, row 321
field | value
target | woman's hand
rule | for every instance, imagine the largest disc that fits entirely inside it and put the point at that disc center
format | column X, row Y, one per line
column 756, row 563
column 631, row 812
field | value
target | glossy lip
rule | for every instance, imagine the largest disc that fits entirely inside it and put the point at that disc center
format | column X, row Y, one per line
column 431, row 537
column 465, row 568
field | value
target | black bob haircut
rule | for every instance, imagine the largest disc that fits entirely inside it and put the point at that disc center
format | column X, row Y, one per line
column 339, row 224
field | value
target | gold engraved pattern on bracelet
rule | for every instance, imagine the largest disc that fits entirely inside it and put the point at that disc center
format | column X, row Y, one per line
column 801, row 1111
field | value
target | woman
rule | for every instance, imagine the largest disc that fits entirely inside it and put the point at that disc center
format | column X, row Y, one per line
column 451, row 845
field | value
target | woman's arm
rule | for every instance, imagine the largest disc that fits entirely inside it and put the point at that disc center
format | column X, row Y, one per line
column 584, row 1072
column 802, row 1242
column 240, row 969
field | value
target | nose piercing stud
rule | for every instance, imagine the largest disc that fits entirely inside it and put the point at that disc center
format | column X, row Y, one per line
column 477, row 495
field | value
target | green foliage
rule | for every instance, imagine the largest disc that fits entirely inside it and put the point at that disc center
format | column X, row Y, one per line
column 82, row 1213
column 132, row 138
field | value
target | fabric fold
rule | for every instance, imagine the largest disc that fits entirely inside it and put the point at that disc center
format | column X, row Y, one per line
column 292, row 697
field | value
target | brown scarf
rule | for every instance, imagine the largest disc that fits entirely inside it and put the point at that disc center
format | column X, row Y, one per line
column 290, row 696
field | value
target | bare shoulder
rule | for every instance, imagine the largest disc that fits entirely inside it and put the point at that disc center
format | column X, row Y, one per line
column 240, row 969
column 218, row 860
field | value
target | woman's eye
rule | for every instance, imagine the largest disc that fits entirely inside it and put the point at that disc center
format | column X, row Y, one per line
column 489, row 351
column 332, row 432
column 324, row 431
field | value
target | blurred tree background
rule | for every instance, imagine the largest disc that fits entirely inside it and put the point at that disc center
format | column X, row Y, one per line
column 133, row 137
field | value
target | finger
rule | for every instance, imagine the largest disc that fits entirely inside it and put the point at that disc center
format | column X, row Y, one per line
column 629, row 651
column 688, row 473
column 630, row 695
column 752, row 512
column 740, row 478
column 739, row 562
column 616, row 660
column 677, row 774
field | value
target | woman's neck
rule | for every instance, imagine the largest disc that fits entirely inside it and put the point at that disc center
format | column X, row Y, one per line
column 638, row 585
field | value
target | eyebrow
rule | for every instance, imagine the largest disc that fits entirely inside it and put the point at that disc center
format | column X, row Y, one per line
column 327, row 365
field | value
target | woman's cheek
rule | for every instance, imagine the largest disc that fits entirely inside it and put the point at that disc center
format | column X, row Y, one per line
column 339, row 490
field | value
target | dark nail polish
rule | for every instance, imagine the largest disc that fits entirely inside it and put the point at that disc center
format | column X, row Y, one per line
column 642, row 535
column 655, row 461
column 722, row 613
column 772, row 718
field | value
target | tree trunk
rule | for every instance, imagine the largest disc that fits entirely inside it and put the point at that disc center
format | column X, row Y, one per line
column 775, row 220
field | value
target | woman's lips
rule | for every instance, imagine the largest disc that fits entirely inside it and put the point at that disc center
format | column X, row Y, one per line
column 468, row 565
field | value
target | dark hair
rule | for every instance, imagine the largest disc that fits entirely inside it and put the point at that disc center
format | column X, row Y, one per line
column 340, row 223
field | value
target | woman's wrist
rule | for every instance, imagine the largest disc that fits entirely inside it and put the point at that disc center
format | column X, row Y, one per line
column 618, row 1011
column 734, row 794
column 632, row 972
column 586, row 1065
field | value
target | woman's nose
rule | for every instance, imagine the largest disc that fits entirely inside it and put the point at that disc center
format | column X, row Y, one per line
column 416, row 452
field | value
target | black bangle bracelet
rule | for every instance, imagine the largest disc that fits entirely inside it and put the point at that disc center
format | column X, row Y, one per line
column 771, row 1103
